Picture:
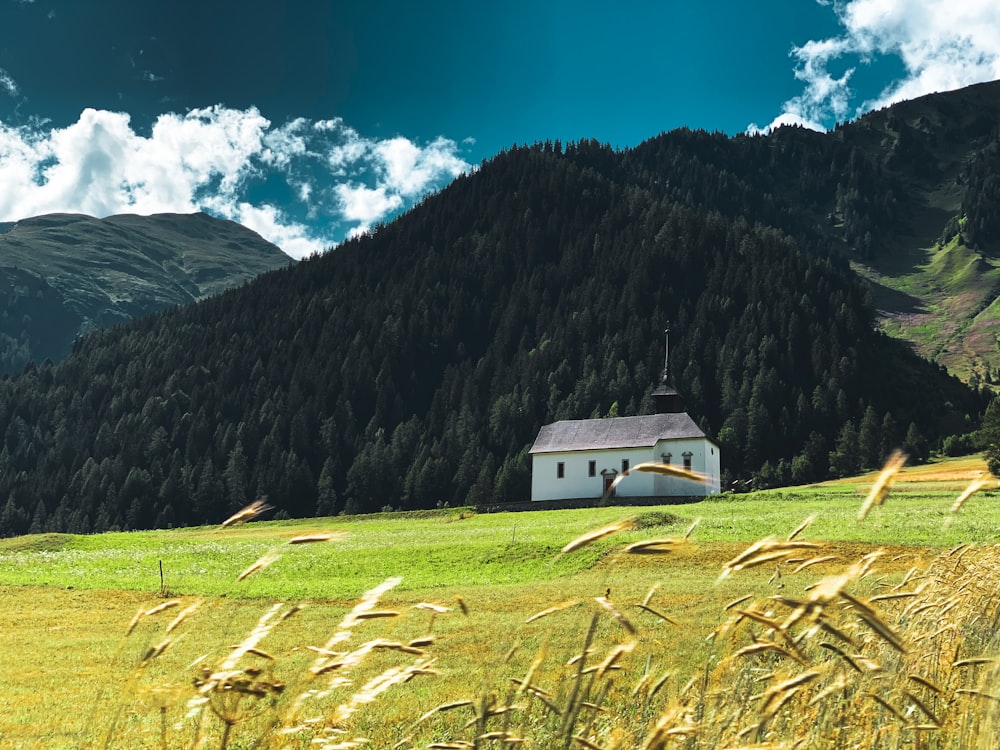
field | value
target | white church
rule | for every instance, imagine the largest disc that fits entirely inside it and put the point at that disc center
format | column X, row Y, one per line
column 580, row 458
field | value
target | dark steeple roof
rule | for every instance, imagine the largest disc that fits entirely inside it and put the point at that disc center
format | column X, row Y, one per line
column 666, row 399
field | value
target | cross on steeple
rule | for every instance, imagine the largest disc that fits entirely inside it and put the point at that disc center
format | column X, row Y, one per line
column 666, row 355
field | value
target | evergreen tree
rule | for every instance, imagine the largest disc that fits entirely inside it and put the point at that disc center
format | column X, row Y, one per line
column 989, row 437
column 870, row 440
column 845, row 458
column 891, row 439
column 915, row 445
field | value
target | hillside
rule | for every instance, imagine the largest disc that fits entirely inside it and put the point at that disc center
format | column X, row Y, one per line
column 909, row 193
column 413, row 366
column 937, row 278
column 62, row 275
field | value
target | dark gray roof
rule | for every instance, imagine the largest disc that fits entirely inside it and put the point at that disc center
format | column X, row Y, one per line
column 664, row 389
column 620, row 432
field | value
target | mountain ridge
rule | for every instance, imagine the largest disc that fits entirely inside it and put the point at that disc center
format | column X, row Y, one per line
column 66, row 274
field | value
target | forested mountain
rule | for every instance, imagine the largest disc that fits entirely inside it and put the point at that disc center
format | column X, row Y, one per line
column 62, row 275
column 910, row 194
column 413, row 366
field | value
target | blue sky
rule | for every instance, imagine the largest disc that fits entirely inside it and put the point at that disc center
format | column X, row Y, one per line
column 309, row 121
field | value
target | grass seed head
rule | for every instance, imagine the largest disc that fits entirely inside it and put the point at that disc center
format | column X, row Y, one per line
column 135, row 621
column 162, row 607
column 315, row 538
column 250, row 512
column 268, row 559
column 656, row 613
column 592, row 536
column 975, row 486
column 651, row 547
column 551, row 610
column 652, row 467
column 883, row 482
column 610, row 608
column 802, row 526
column 182, row 616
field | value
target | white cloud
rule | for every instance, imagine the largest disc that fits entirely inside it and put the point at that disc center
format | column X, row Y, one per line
column 409, row 169
column 942, row 45
column 285, row 142
column 268, row 222
column 350, row 149
column 366, row 205
column 217, row 159
column 381, row 176
column 8, row 84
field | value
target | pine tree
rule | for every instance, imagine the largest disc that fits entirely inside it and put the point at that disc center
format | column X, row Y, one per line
column 870, row 440
column 845, row 458
column 915, row 444
column 989, row 436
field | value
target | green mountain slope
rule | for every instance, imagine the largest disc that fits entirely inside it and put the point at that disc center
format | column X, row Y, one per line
column 939, row 263
column 62, row 275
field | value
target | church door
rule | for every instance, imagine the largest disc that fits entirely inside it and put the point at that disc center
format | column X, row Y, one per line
column 609, row 478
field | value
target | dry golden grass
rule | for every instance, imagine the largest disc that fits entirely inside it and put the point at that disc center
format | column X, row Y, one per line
column 959, row 470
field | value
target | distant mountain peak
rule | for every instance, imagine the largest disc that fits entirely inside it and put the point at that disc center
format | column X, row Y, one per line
column 62, row 274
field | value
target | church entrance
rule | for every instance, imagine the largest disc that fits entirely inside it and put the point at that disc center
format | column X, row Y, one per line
column 609, row 478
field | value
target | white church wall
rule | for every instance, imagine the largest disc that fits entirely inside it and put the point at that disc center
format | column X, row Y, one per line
column 576, row 480
column 704, row 456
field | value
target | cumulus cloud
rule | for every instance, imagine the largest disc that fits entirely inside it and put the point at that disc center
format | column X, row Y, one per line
column 226, row 162
column 941, row 44
column 399, row 170
column 408, row 169
column 366, row 205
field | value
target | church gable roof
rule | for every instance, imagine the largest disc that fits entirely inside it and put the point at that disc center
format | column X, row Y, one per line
column 620, row 432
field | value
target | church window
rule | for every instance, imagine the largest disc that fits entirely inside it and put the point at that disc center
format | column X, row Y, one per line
column 560, row 470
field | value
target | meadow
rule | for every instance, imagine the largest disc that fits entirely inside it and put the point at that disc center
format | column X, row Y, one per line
column 769, row 620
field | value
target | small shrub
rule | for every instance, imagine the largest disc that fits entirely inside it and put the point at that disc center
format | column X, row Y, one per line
column 958, row 445
column 651, row 518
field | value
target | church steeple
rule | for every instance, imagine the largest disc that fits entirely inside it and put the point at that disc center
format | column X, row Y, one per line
column 666, row 355
column 666, row 399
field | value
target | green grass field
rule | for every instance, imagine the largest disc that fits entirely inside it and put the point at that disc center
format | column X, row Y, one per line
column 74, row 679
